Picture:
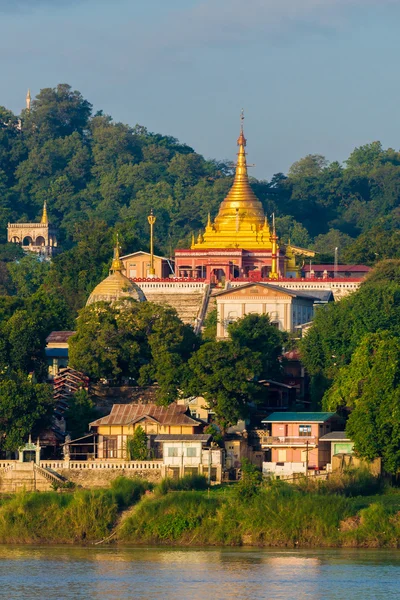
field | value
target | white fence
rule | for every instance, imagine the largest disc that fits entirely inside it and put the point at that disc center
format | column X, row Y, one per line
column 145, row 465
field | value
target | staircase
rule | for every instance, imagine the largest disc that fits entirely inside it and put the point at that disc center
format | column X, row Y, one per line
column 29, row 477
column 188, row 305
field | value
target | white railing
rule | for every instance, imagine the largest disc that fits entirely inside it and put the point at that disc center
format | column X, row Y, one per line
column 142, row 465
column 299, row 440
column 288, row 468
column 177, row 287
column 7, row 465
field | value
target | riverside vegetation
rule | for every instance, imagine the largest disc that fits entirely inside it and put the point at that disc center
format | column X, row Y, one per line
column 353, row 510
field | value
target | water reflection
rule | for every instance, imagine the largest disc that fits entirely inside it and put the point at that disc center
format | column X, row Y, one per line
column 171, row 573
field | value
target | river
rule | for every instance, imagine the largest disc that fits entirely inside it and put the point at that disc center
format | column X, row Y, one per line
column 51, row 573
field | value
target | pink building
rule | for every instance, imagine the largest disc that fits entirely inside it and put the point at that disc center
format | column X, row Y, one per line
column 293, row 442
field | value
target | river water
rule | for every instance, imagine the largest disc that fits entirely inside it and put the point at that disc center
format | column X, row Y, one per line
column 51, row 573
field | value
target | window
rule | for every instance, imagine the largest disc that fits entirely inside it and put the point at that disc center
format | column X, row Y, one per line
column 304, row 430
column 172, row 451
column 281, row 456
column 192, row 452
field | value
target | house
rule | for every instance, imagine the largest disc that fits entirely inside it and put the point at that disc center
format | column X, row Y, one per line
column 286, row 308
column 339, row 443
column 197, row 406
column 190, row 455
column 294, row 373
column 137, row 265
column 293, row 442
column 335, row 271
column 57, row 351
column 113, row 431
column 343, row 457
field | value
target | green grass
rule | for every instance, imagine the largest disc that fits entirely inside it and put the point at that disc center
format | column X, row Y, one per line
column 349, row 511
column 73, row 517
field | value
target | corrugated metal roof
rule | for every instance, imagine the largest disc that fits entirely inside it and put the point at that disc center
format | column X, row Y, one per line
column 299, row 417
column 124, row 414
column 195, row 437
column 59, row 337
column 335, row 436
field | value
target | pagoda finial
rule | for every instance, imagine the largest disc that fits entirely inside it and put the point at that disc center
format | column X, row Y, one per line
column 28, row 100
column 241, row 139
column 45, row 219
column 117, row 264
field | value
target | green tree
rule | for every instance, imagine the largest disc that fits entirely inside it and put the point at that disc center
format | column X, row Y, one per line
column 81, row 411
column 28, row 274
column 144, row 341
column 256, row 333
column 338, row 329
column 224, row 374
column 25, row 408
column 136, row 446
column 369, row 387
column 57, row 112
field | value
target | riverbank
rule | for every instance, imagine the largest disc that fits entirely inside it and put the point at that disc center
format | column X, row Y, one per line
column 355, row 511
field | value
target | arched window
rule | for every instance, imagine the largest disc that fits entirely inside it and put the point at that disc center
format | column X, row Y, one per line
column 40, row 241
column 27, row 241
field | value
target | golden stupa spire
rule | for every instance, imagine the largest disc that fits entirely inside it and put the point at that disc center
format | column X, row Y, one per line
column 45, row 219
column 28, row 100
column 117, row 264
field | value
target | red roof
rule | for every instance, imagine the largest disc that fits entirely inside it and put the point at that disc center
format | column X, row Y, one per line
column 339, row 268
column 292, row 355
column 59, row 337
column 125, row 414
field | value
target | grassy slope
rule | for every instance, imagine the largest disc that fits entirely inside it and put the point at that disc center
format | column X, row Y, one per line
column 353, row 513
column 275, row 515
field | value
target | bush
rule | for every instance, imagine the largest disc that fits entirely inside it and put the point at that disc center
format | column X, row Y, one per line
column 187, row 483
column 170, row 518
column 128, row 491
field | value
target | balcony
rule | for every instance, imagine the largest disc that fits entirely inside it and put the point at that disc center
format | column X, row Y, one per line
column 299, row 441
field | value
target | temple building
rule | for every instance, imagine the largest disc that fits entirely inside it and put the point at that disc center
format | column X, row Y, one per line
column 116, row 286
column 240, row 243
column 35, row 237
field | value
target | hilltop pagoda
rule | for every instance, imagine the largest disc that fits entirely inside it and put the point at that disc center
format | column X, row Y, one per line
column 35, row 237
column 240, row 243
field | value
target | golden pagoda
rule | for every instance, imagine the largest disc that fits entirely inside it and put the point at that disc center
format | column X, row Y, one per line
column 240, row 244
column 116, row 286
column 241, row 222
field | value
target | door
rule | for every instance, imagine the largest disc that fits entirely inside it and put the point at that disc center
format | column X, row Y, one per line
column 110, row 447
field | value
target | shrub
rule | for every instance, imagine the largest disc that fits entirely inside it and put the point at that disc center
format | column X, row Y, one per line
column 189, row 482
column 128, row 491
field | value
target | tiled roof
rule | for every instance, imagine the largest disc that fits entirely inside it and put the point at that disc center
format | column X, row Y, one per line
column 124, row 414
column 59, row 337
column 299, row 417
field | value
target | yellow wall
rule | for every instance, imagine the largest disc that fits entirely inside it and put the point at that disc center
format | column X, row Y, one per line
column 149, row 427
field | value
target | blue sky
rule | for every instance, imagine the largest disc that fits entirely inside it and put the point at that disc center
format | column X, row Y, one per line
column 314, row 76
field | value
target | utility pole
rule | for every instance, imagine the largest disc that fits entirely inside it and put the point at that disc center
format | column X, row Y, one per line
column 151, row 219
column 336, row 263
column 307, row 458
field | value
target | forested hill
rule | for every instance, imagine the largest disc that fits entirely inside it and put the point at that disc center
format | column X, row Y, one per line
column 99, row 177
